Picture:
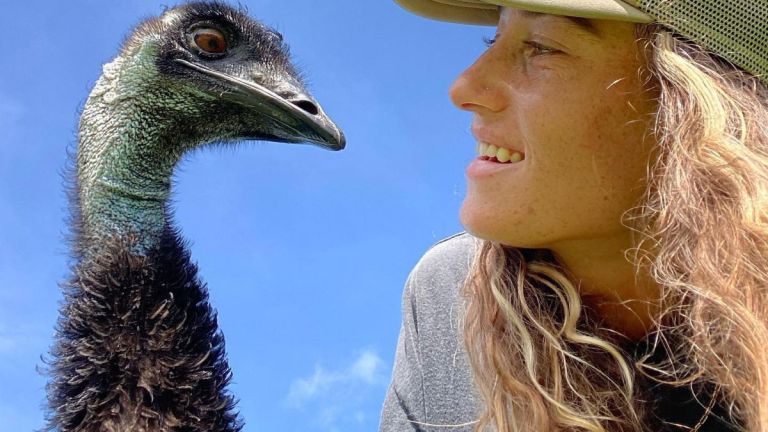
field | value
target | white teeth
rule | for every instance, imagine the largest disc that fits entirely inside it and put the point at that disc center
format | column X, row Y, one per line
column 501, row 154
column 491, row 150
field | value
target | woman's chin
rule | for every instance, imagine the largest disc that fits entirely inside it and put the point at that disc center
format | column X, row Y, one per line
column 487, row 222
column 480, row 221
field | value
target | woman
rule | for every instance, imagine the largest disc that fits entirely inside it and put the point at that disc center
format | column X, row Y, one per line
column 616, row 275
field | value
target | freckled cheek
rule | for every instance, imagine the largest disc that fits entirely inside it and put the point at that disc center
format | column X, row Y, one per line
column 613, row 136
column 562, row 127
column 628, row 138
column 620, row 169
column 567, row 145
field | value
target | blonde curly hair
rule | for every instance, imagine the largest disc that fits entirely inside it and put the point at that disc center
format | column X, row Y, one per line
column 701, row 233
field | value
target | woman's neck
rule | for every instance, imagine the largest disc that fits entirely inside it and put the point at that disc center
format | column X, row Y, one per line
column 625, row 297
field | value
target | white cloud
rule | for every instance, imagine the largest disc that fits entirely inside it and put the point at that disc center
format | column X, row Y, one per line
column 367, row 367
column 336, row 396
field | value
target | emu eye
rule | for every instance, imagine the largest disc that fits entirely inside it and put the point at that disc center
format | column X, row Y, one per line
column 209, row 40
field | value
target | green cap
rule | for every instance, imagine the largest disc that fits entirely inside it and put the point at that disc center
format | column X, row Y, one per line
column 736, row 30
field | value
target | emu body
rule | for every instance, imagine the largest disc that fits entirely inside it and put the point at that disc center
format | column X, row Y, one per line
column 137, row 345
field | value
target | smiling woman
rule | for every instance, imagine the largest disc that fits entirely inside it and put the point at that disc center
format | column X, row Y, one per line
column 618, row 219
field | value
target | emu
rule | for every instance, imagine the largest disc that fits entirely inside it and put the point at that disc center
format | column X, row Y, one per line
column 137, row 346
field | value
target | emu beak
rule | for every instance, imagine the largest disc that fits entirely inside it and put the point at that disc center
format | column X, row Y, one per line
column 299, row 117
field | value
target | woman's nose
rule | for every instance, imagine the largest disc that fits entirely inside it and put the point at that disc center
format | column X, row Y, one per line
column 480, row 88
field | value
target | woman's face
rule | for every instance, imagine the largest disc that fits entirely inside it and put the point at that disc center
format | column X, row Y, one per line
column 571, row 101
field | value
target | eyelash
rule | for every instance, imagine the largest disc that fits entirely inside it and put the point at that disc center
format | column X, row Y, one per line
column 541, row 49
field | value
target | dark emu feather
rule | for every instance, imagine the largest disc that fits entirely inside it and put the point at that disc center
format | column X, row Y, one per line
column 137, row 343
column 138, row 347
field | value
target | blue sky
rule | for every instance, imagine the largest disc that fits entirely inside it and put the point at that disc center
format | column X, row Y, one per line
column 305, row 251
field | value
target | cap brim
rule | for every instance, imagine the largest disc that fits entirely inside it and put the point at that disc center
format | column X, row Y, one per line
column 486, row 12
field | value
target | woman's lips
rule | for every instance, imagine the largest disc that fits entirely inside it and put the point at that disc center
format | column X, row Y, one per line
column 492, row 160
column 484, row 167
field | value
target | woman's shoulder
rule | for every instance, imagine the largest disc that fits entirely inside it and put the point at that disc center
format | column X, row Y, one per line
column 432, row 380
column 449, row 259
column 435, row 281
column 432, row 295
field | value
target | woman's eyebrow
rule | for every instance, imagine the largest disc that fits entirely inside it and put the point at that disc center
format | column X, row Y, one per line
column 583, row 24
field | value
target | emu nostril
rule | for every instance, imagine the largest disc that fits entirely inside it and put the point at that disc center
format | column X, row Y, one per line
column 307, row 106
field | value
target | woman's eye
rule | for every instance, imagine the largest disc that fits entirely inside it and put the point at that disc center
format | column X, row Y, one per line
column 538, row 48
column 209, row 40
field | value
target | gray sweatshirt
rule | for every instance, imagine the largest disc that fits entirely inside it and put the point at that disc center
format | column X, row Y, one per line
column 432, row 387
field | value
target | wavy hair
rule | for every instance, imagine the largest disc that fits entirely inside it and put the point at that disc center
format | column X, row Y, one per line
column 701, row 233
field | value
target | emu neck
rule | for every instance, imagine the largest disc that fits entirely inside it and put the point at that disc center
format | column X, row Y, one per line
column 124, row 165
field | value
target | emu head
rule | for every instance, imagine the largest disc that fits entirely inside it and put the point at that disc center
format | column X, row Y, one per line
column 206, row 72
